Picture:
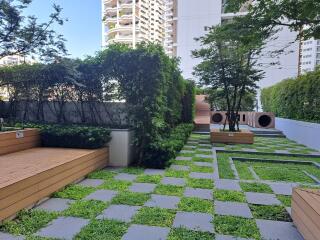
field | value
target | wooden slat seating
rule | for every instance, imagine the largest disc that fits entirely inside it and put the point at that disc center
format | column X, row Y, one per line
column 306, row 212
column 30, row 175
column 202, row 118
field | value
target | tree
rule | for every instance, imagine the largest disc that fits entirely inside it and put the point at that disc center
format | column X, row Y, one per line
column 229, row 56
column 302, row 16
column 23, row 35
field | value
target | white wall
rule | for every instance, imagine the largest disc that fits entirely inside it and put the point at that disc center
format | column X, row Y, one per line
column 301, row 132
column 193, row 17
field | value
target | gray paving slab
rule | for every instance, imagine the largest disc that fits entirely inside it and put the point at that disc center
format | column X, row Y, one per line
column 173, row 181
column 203, row 155
column 7, row 236
column 205, row 145
column 186, row 151
column 181, row 158
column 63, row 228
column 102, row 195
column 142, row 232
column 282, row 151
column 205, row 150
column 55, row 205
column 198, row 193
column 125, row 177
column 163, row 201
column 233, row 209
column 225, row 184
column 274, row 230
column 199, row 175
column 123, row 213
column 203, row 164
column 262, row 198
column 190, row 147
column 153, row 172
column 282, row 188
column 194, row 221
column 91, row 182
column 248, row 150
column 180, row 167
column 226, row 237
column 142, row 187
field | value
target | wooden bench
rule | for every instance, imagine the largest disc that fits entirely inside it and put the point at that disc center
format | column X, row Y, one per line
column 27, row 176
column 306, row 212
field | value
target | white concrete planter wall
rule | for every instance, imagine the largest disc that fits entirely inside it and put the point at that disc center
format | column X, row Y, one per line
column 302, row 132
column 121, row 147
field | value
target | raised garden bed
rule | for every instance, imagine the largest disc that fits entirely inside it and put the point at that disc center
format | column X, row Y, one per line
column 243, row 136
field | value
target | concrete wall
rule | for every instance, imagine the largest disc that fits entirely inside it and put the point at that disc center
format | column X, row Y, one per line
column 302, row 132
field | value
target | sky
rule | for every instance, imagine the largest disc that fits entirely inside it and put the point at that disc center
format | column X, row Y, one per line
column 83, row 28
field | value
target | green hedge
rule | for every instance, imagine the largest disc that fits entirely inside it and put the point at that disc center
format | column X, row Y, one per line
column 72, row 136
column 160, row 152
column 297, row 98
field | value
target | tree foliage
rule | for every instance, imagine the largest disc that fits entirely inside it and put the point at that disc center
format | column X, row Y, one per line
column 24, row 35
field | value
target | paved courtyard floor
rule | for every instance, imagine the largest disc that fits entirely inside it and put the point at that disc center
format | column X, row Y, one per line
column 190, row 200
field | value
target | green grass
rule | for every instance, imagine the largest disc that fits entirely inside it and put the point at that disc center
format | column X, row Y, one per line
column 75, row 192
column 103, row 229
column 201, row 159
column 155, row 217
column 170, row 190
column 176, row 173
column 225, row 170
column 200, row 183
column 102, row 174
column 149, row 179
column 181, row 162
column 85, row 209
column 195, row 168
column 236, row 226
column 229, row 196
column 195, row 205
column 273, row 212
column 118, row 185
column 131, row 198
column 243, row 170
column 184, row 234
column 255, row 187
column 28, row 222
column 185, row 154
column 132, row 170
column 285, row 200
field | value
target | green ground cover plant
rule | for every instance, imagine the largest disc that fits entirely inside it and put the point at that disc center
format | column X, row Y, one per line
column 131, row 198
column 243, row 170
column 176, row 173
column 74, row 192
column 255, row 187
column 149, row 178
column 229, row 196
column 273, row 212
column 285, row 200
column 170, row 190
column 118, row 185
column 195, row 168
column 102, row 174
column 200, row 183
column 225, row 170
column 154, row 217
column 201, row 159
column 185, row 234
column 85, row 209
column 192, row 204
column 132, row 170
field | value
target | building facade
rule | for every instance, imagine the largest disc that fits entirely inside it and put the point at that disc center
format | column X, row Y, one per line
column 133, row 21
column 310, row 55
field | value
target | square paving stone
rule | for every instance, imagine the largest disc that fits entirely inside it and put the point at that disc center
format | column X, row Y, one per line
column 282, row 151
column 225, row 237
column 262, row 198
column 190, row 147
column 282, row 188
column 194, row 221
column 91, row 182
column 198, row 193
column 55, row 205
column 6, row 236
column 125, row 177
column 201, row 175
column 181, row 158
column 205, row 150
column 248, row 150
column 203, row 164
column 162, row 201
column 123, row 213
column 102, row 195
column 63, row 228
column 233, row 209
column 173, row 181
column 142, row 232
column 186, row 151
column 180, row 167
column 153, row 172
column 205, row 145
column 204, row 156
column 275, row 230
column 225, row 184
column 142, row 187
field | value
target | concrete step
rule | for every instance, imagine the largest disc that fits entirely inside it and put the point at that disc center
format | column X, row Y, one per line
column 270, row 135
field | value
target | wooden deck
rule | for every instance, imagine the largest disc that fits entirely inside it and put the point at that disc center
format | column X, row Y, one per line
column 306, row 212
column 33, row 174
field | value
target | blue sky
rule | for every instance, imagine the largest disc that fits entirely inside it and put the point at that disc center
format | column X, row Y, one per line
column 82, row 31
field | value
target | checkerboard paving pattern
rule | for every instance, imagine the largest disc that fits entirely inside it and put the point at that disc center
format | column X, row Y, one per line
column 136, row 204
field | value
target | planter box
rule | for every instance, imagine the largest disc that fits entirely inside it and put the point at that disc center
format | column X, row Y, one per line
column 121, row 147
column 243, row 137
column 14, row 141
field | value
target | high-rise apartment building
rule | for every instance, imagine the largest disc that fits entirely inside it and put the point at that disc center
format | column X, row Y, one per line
column 310, row 55
column 171, row 21
column 133, row 21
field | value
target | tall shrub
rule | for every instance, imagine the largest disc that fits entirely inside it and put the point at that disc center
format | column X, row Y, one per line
column 297, row 98
column 188, row 102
